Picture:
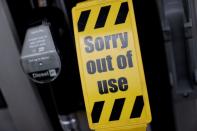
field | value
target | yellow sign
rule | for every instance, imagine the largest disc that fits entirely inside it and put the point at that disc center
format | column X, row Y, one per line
column 110, row 64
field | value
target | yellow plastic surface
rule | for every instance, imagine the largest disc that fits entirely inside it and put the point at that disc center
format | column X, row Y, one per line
column 143, row 128
column 89, row 55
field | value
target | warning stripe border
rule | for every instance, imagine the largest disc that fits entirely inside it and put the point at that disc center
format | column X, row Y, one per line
column 117, row 109
column 103, row 16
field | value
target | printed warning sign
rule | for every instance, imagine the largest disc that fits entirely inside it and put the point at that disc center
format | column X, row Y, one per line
column 110, row 64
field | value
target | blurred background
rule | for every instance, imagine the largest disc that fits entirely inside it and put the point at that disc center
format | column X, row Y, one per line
column 167, row 32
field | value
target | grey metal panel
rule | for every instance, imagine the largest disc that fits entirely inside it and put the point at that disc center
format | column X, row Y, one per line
column 24, row 104
column 186, row 115
column 6, row 123
column 185, row 108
